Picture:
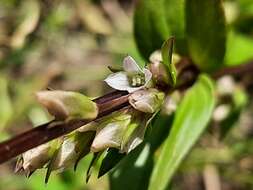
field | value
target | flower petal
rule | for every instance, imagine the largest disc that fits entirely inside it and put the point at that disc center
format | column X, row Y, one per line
column 130, row 65
column 119, row 81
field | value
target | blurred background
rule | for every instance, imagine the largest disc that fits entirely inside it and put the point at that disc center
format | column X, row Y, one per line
column 67, row 45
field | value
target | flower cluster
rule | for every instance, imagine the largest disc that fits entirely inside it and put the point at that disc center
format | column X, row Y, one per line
column 123, row 130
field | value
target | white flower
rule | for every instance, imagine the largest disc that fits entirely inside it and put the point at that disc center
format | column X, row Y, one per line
column 131, row 79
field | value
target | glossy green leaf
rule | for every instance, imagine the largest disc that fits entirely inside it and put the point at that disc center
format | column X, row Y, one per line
column 134, row 170
column 150, row 27
column 167, row 50
column 190, row 121
column 50, row 166
column 206, row 33
column 54, row 151
column 84, row 141
column 111, row 159
column 93, row 162
column 137, row 166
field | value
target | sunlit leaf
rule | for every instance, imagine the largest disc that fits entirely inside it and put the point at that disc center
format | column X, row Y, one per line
column 137, row 166
column 190, row 121
column 239, row 48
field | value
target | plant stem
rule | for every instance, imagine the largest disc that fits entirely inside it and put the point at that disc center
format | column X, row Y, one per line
column 107, row 104
column 51, row 130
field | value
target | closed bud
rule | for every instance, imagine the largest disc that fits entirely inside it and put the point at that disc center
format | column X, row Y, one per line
column 110, row 132
column 34, row 159
column 69, row 151
column 66, row 154
column 135, row 132
column 158, row 69
column 66, row 104
column 148, row 101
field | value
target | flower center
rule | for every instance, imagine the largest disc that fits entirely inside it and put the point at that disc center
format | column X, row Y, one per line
column 136, row 79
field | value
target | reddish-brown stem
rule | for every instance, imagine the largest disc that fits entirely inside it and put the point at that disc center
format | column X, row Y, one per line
column 49, row 131
column 238, row 70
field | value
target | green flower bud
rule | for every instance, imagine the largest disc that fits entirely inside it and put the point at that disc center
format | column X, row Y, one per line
column 66, row 104
column 135, row 132
column 110, row 132
column 66, row 154
column 69, row 151
column 148, row 101
column 159, row 70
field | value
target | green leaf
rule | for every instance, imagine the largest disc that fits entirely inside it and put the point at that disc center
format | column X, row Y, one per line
column 190, row 121
column 150, row 27
column 93, row 162
column 134, row 170
column 175, row 17
column 239, row 48
column 56, row 144
column 167, row 50
column 50, row 166
column 84, row 141
column 111, row 159
column 206, row 33
column 137, row 166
